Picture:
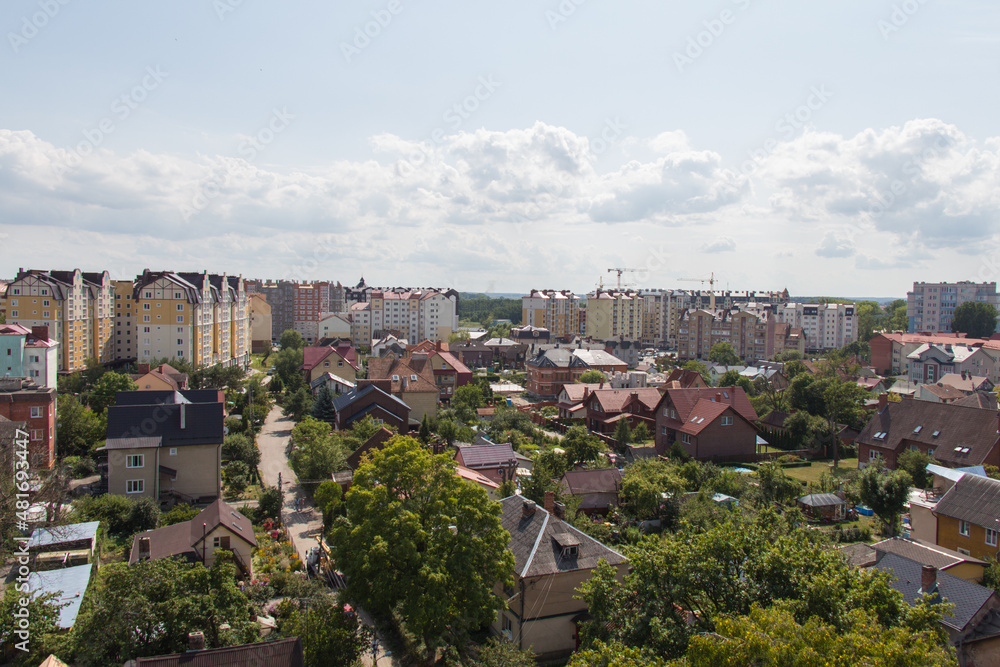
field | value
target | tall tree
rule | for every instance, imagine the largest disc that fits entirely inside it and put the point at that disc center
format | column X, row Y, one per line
column 699, row 368
column 288, row 367
column 30, row 643
column 291, row 340
column 896, row 319
column 298, row 404
column 975, row 319
column 419, row 540
column 580, row 446
column 914, row 463
column 623, row 434
column 80, row 429
column 106, row 388
column 317, row 453
column 885, row 492
column 723, row 354
column 591, row 376
column 322, row 408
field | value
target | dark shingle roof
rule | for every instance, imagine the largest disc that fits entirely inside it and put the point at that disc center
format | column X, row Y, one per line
column 821, row 500
column 600, row 480
column 344, row 400
column 974, row 499
column 925, row 554
column 487, row 456
column 858, row 555
column 956, row 426
column 180, row 539
column 984, row 400
column 278, row 653
column 150, row 414
column 967, row 597
column 536, row 551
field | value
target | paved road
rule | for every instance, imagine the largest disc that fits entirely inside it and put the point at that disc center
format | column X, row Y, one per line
column 273, row 443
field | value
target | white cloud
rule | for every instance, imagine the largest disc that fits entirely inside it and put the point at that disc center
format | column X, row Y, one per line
column 722, row 244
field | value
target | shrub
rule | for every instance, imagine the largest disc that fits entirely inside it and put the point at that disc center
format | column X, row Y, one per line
column 789, row 458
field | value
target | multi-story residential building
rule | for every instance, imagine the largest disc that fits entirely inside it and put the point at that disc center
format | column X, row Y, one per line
column 931, row 361
column 930, row 306
column 889, row 351
column 418, row 314
column 166, row 445
column 126, row 322
column 200, row 317
column 309, row 300
column 826, row 326
column 967, row 517
column 22, row 400
column 31, row 354
column 750, row 331
column 261, row 330
column 77, row 308
column 555, row 310
column 615, row 314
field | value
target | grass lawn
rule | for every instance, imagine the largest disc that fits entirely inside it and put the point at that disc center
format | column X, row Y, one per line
column 257, row 362
column 813, row 472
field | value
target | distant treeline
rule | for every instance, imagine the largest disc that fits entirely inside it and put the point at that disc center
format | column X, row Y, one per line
column 483, row 309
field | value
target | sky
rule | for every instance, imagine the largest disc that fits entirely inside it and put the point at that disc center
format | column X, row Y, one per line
column 833, row 147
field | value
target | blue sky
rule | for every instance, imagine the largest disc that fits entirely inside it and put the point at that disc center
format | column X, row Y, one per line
column 843, row 147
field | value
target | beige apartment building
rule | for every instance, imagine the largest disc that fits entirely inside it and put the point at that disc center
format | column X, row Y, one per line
column 555, row 310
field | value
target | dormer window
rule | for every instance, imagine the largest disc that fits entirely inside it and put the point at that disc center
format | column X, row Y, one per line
column 568, row 544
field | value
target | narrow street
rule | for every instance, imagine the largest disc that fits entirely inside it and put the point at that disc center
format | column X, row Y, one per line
column 273, row 443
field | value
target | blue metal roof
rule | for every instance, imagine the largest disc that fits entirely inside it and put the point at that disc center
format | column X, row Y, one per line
column 61, row 534
column 69, row 584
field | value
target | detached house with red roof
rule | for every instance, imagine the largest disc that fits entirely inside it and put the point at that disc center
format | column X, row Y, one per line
column 340, row 361
column 606, row 407
column 714, row 424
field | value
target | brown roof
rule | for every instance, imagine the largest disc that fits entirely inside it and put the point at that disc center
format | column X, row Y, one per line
column 858, row 555
column 405, row 371
column 599, row 480
column 377, row 441
column 924, row 553
column 686, row 378
column 912, row 422
column 775, row 418
column 974, row 499
column 614, row 400
column 945, row 392
column 180, row 539
column 277, row 653
column 686, row 399
column 984, row 400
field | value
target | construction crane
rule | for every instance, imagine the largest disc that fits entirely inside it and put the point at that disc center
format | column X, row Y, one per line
column 711, row 286
column 620, row 272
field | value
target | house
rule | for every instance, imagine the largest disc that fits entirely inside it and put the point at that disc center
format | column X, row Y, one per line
column 317, row 360
column 389, row 345
column 984, row 400
column 715, row 372
column 975, row 614
column 552, row 560
column 606, row 407
column 162, row 378
column 923, row 522
column 713, row 424
column 955, row 436
column 277, row 653
column 371, row 400
column 967, row 382
column 410, row 380
column 889, row 351
column 550, row 369
column 22, row 400
column 377, row 441
column 873, row 385
column 945, row 560
column 572, row 399
column 496, row 462
column 334, row 383
column 69, row 584
column 218, row 526
column 930, row 361
column 58, row 546
column 29, row 353
column 166, row 445
column 938, row 393
column 507, row 353
column 449, row 372
column 685, row 378
column 597, row 488
column 823, row 506
column 473, row 354
column 332, row 325
column 968, row 517
column 484, row 482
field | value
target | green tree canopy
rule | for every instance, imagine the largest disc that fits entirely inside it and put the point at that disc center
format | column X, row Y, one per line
column 291, row 340
column 914, row 463
column 698, row 367
column 105, row 389
column 287, row 366
column 885, row 492
column 419, row 540
column 581, row 447
column 317, row 452
column 122, row 516
column 331, row 637
column 975, row 319
column 591, row 376
column 895, row 314
column 298, row 404
column 466, row 401
column 240, row 447
column 31, row 645
column 723, row 354
column 623, row 434
column 322, row 407
column 803, row 427
column 80, row 429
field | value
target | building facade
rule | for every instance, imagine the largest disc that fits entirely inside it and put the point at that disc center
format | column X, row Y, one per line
column 751, row 332
column 930, row 306
column 826, row 326
column 126, row 344
column 555, row 310
column 22, row 400
column 30, row 354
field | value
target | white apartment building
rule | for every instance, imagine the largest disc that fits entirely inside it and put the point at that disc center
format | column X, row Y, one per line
column 825, row 326
column 930, row 306
column 414, row 314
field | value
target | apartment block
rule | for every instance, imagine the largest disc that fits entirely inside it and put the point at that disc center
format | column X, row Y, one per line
column 750, row 331
column 22, row 400
column 201, row 317
column 826, row 326
column 126, row 344
column 615, row 314
column 415, row 314
column 555, row 310
column 930, row 306
column 77, row 308
column 28, row 354
column 261, row 328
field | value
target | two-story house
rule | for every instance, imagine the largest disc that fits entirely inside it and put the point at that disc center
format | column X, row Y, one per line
column 411, row 381
column 606, row 407
column 968, row 517
column 21, row 400
column 166, row 445
column 369, row 399
column 340, row 361
column 954, row 435
column 713, row 424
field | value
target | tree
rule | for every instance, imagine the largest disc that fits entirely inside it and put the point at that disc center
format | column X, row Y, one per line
column 236, row 476
column 806, row 393
column 105, row 390
column 425, row 430
column 803, row 427
column 700, row 368
column 775, row 485
column 885, row 492
column 580, row 447
column 895, row 314
column 316, row 452
column 239, row 447
column 419, row 540
column 623, row 434
column 794, row 368
column 975, row 319
column 615, row 655
column 179, row 513
column 327, row 498
column 723, row 354
column 643, row 486
column 640, row 434
column 149, row 608
column 914, row 463
column 497, row 652
column 269, row 504
column 298, row 405
column 322, row 408
column 547, row 469
column 447, row 430
column 122, row 516
column 466, row 401
column 288, row 367
column 291, row 340
column 331, row 636
column 80, row 430
column 870, row 319
column 591, row 376
column 30, row 644
column 844, row 404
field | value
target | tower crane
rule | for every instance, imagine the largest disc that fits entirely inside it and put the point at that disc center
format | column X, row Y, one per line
column 711, row 286
column 620, row 272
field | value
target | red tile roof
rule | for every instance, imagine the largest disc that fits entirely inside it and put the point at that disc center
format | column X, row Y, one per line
column 686, row 399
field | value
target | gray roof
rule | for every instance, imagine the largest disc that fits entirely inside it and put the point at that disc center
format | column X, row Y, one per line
column 598, row 358
column 72, row 581
column 858, row 555
column 533, row 541
column 487, row 456
column 924, row 553
column 344, row 400
column 73, row 532
column 974, row 499
column 967, row 597
column 821, row 500
column 132, row 443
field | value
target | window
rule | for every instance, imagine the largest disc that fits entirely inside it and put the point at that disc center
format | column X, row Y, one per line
column 145, row 306
column 221, row 542
column 180, row 306
column 173, row 451
column 727, row 421
column 874, row 455
column 37, row 433
column 147, row 295
column 180, row 319
column 177, row 295
column 964, row 552
column 135, row 485
column 507, row 627
column 134, row 460
column 963, row 528
column 145, row 318
column 13, row 313
column 991, row 537
column 36, row 412
column 145, row 330
column 685, row 438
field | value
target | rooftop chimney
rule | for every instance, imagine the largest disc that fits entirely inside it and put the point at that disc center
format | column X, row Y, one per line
column 529, row 509
column 143, row 548
column 143, row 368
column 560, row 510
column 196, row 641
column 40, row 333
column 928, row 578
column 550, row 499
column 883, row 400
column 718, row 397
